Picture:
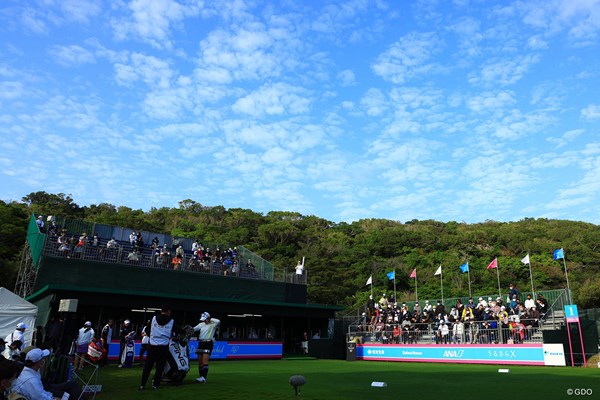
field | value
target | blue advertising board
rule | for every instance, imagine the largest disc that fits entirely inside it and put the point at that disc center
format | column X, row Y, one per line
column 221, row 350
column 517, row 354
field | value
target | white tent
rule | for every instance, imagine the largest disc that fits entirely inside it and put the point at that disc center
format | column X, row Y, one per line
column 14, row 309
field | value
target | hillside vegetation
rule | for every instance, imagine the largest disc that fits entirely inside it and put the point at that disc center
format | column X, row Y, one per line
column 340, row 257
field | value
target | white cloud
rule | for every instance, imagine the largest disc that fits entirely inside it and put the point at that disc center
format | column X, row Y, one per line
column 489, row 102
column 503, row 72
column 407, row 58
column 71, row 55
column 347, row 77
column 152, row 20
column 565, row 139
column 537, row 43
column 151, row 70
column 273, row 99
column 374, row 102
column 591, row 112
column 11, row 90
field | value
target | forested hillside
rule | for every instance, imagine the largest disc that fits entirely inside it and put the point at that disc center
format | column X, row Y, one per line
column 340, row 257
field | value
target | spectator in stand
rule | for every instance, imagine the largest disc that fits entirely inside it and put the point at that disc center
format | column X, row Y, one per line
column 513, row 291
column 458, row 332
column 134, row 256
column 383, row 302
column 53, row 229
column 299, row 272
column 471, row 304
column 179, row 251
column 396, row 334
column 482, row 302
column 417, row 309
column 63, row 244
column 177, row 260
column 112, row 244
column 529, row 302
column 459, row 306
column 40, row 223
column 371, row 309
column 155, row 244
column 454, row 315
column 80, row 246
column 139, row 243
column 84, row 338
column 440, row 308
column 133, row 238
column 235, row 269
column 542, row 304
column 443, row 332
column 428, row 307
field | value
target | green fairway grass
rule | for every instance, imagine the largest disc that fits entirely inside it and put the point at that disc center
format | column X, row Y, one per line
column 335, row 379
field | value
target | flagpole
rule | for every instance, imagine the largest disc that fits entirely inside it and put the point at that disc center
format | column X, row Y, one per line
column 395, row 298
column 531, row 276
column 498, row 275
column 567, row 277
column 442, row 282
column 416, row 289
column 469, row 277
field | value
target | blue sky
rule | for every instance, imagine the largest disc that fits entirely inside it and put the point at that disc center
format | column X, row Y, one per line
column 463, row 110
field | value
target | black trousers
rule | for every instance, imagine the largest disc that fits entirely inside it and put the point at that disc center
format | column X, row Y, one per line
column 158, row 355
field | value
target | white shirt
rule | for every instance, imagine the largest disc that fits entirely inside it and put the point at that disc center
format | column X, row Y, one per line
column 160, row 335
column 29, row 384
column 16, row 335
column 529, row 303
column 85, row 337
column 299, row 269
column 207, row 330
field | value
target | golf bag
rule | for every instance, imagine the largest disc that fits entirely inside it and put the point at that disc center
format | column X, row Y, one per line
column 128, row 351
column 178, row 361
column 95, row 351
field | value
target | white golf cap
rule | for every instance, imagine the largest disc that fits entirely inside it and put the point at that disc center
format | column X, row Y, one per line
column 204, row 316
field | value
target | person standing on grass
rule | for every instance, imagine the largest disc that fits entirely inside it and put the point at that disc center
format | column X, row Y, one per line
column 84, row 338
column 207, row 327
column 162, row 328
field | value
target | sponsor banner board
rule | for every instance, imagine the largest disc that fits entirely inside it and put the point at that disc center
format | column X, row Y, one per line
column 221, row 350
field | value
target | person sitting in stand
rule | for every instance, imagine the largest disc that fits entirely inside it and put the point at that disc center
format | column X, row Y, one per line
column 111, row 244
column 542, row 305
column 177, row 262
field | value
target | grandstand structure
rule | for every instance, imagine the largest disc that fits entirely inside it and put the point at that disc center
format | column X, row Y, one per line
column 254, row 301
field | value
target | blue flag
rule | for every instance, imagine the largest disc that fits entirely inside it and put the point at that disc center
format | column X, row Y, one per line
column 391, row 275
column 559, row 253
column 464, row 268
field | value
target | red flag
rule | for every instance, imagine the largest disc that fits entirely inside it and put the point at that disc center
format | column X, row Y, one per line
column 414, row 273
column 493, row 264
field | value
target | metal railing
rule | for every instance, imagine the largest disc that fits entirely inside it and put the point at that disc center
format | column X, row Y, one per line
column 127, row 254
column 427, row 333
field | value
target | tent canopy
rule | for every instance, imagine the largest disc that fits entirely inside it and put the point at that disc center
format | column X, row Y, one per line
column 14, row 309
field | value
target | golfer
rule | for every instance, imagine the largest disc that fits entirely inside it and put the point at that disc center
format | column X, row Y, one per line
column 207, row 327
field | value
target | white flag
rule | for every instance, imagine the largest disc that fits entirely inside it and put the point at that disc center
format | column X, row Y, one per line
column 370, row 280
column 438, row 272
column 525, row 259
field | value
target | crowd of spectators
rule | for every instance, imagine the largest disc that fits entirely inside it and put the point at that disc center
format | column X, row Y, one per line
column 198, row 258
column 487, row 321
